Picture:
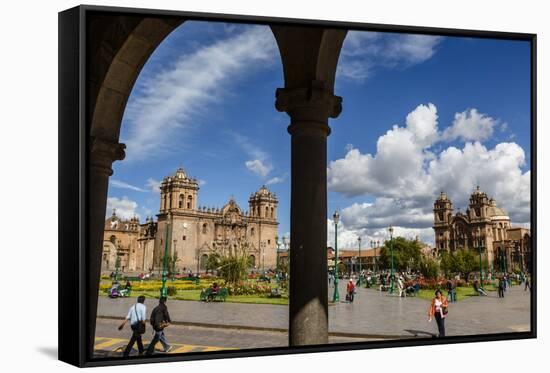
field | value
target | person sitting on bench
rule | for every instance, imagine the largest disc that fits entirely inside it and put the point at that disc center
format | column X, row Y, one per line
column 479, row 290
column 214, row 290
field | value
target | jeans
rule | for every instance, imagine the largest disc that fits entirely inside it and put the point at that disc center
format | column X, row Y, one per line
column 440, row 324
column 452, row 295
column 159, row 337
column 136, row 337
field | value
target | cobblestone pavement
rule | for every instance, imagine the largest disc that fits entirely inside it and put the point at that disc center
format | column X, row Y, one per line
column 372, row 315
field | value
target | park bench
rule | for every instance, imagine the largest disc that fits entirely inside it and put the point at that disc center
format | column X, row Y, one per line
column 132, row 278
column 264, row 279
column 195, row 279
column 207, row 294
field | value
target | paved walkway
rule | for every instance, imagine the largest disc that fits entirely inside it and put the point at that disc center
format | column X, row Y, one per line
column 110, row 342
column 372, row 315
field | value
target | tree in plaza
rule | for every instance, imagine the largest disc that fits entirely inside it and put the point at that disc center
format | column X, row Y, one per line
column 213, row 262
column 462, row 261
column 342, row 268
column 429, row 268
column 407, row 254
column 234, row 262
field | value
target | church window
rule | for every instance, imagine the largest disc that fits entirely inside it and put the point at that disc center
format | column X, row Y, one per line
column 266, row 211
column 440, row 216
column 252, row 231
column 269, row 242
column 183, row 237
column 180, row 202
column 189, row 202
column 112, row 239
column 204, row 227
column 272, row 213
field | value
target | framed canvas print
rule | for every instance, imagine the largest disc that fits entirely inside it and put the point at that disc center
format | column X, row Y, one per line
column 236, row 186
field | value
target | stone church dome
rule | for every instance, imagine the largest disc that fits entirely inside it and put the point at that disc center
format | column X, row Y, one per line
column 497, row 212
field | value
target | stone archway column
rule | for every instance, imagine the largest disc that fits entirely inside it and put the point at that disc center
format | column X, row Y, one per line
column 102, row 155
column 309, row 109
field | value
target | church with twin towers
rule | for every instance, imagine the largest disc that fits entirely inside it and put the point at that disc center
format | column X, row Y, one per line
column 194, row 232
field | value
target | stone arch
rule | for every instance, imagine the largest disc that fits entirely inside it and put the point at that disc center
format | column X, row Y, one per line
column 115, row 56
column 181, row 198
column 251, row 261
column 203, row 262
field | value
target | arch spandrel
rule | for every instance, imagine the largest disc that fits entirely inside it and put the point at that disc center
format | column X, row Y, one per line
column 309, row 54
column 115, row 66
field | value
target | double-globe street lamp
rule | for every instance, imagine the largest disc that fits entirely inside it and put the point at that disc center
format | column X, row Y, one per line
column 360, row 268
column 163, row 289
column 374, row 245
column 390, row 230
column 336, row 295
column 479, row 242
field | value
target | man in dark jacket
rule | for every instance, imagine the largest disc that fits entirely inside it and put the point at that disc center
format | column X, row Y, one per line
column 160, row 319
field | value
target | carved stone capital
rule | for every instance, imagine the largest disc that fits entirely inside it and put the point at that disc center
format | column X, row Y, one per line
column 309, row 108
column 314, row 102
column 103, row 153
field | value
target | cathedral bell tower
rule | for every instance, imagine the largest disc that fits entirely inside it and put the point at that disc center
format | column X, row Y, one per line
column 478, row 208
column 443, row 212
column 178, row 192
column 263, row 204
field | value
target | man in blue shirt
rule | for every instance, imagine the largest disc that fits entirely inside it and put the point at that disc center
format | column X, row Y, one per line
column 136, row 315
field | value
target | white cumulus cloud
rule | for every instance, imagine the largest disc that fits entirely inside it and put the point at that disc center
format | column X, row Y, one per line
column 124, row 207
column 258, row 167
column 405, row 174
column 470, row 125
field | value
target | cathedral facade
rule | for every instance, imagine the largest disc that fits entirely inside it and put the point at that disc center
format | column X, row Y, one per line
column 484, row 225
column 192, row 233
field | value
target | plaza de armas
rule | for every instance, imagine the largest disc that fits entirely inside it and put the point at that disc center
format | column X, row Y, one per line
column 475, row 251
column 478, row 245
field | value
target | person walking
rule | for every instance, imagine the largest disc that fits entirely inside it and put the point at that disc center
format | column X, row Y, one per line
column 137, row 315
column 350, row 290
column 451, row 292
column 439, row 310
column 501, row 287
column 160, row 319
column 527, row 284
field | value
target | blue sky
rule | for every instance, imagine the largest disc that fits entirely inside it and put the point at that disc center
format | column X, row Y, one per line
column 420, row 114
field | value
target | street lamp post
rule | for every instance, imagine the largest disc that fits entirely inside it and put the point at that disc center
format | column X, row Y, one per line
column 174, row 259
column 277, row 256
column 390, row 229
column 360, row 269
column 163, row 289
column 479, row 242
column 336, row 295
column 117, row 265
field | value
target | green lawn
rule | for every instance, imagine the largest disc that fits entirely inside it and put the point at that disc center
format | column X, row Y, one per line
column 461, row 292
column 194, row 295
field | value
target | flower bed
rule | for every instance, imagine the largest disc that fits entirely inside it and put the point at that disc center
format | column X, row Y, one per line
column 248, row 288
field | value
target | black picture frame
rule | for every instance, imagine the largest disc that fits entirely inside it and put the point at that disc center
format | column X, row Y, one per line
column 74, row 147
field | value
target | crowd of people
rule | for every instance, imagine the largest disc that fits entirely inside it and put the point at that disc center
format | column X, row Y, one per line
column 404, row 284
